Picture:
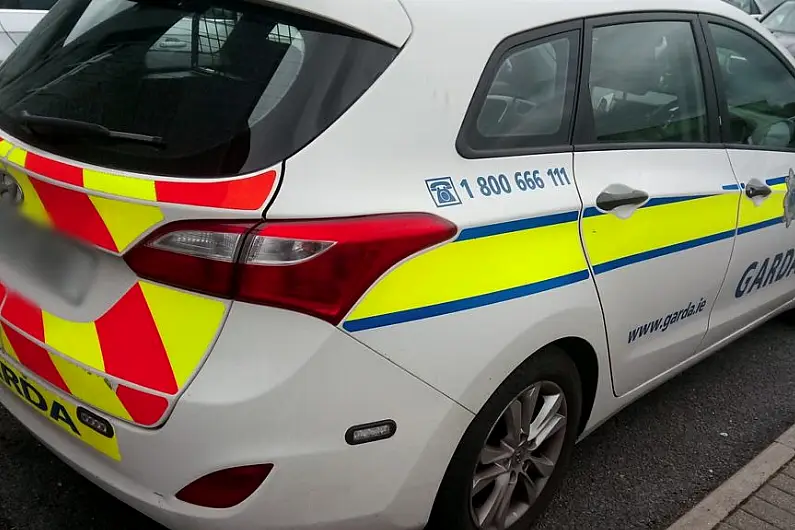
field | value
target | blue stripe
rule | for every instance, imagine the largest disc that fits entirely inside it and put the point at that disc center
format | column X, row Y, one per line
column 671, row 200
column 515, row 226
column 591, row 212
column 445, row 308
column 777, row 180
column 731, row 186
column 664, row 251
column 759, row 226
column 659, row 201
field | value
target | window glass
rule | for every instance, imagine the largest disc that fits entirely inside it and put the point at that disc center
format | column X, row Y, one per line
column 530, row 99
column 745, row 5
column 646, row 84
column 781, row 19
column 173, row 88
column 759, row 90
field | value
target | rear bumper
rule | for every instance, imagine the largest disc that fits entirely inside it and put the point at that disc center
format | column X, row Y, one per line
column 281, row 388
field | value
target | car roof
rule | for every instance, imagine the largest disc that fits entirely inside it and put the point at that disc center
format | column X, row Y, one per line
column 513, row 16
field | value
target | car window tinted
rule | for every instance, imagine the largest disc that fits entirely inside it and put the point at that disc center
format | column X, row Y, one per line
column 646, row 84
column 41, row 5
column 758, row 88
column 530, row 97
column 211, row 88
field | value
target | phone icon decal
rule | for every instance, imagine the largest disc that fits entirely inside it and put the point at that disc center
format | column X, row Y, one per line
column 443, row 191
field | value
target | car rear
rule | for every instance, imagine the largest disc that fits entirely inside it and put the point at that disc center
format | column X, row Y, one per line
column 157, row 333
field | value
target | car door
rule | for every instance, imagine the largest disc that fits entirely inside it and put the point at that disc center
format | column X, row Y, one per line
column 756, row 90
column 19, row 17
column 658, row 223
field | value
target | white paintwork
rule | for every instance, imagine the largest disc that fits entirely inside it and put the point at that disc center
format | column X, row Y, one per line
column 644, row 291
column 287, row 400
column 282, row 387
column 733, row 311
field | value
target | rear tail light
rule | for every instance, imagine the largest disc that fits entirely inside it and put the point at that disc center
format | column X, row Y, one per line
column 319, row 267
column 225, row 488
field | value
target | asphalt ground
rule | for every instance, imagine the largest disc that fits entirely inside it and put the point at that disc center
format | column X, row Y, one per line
column 642, row 469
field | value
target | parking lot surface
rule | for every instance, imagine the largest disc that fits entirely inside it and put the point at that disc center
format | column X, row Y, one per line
column 642, row 469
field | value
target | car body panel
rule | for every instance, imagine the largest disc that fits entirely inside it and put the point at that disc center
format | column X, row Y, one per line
column 429, row 342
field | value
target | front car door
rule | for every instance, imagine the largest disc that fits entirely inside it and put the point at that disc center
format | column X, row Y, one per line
column 756, row 91
column 658, row 224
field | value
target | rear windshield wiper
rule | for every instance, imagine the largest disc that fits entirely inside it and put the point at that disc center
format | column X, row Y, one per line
column 49, row 126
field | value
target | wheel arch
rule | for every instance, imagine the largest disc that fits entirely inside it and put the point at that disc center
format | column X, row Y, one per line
column 583, row 355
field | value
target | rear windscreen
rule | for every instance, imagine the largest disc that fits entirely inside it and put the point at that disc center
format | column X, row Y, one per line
column 182, row 88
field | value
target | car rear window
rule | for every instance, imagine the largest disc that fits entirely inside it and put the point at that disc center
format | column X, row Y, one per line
column 205, row 88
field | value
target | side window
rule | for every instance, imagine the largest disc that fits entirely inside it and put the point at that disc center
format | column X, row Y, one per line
column 530, row 97
column 646, row 84
column 41, row 5
column 758, row 88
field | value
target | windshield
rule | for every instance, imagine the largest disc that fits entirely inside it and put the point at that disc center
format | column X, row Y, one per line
column 745, row 5
column 202, row 88
column 782, row 18
column 768, row 5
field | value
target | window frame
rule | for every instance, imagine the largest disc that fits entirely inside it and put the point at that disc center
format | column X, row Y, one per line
column 705, row 21
column 505, row 48
column 584, row 133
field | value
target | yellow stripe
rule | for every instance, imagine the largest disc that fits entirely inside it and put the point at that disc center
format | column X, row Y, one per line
column 90, row 388
column 5, row 147
column 187, row 324
column 107, row 446
column 608, row 237
column 119, row 185
column 770, row 208
column 32, row 208
column 77, row 340
column 6, row 345
column 18, row 157
column 475, row 267
column 126, row 221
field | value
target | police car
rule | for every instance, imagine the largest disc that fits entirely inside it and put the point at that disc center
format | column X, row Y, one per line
column 370, row 265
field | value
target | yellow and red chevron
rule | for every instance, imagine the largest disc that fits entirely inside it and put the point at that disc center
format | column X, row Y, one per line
column 142, row 340
column 64, row 196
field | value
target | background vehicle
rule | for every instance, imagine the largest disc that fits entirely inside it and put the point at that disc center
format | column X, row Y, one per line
column 17, row 19
column 749, row 6
column 755, row 8
column 781, row 22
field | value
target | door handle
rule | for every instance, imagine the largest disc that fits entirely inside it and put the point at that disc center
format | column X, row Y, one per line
column 753, row 190
column 608, row 201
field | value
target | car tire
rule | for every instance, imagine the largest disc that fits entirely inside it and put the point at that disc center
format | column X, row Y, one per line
column 456, row 508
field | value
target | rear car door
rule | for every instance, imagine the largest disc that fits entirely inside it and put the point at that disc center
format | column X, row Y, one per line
column 658, row 225
column 756, row 90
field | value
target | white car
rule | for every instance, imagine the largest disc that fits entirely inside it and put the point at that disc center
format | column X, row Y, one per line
column 374, row 264
column 17, row 19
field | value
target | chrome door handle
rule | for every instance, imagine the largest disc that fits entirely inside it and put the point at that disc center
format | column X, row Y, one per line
column 753, row 191
column 608, row 201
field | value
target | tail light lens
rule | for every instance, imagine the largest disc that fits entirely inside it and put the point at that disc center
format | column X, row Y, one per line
column 319, row 267
column 225, row 488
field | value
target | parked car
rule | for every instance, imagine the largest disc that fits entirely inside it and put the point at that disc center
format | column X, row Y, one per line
column 749, row 6
column 755, row 8
column 282, row 271
column 17, row 19
column 781, row 22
